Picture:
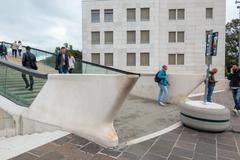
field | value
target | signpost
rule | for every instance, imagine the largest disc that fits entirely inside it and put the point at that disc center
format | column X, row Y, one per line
column 211, row 50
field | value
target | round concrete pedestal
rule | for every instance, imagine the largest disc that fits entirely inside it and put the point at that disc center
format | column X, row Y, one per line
column 210, row 117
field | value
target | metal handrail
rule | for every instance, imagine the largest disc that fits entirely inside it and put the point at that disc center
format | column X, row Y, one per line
column 97, row 65
column 24, row 70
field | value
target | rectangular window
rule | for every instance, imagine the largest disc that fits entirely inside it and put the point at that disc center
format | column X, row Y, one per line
column 172, row 14
column 131, row 14
column 108, row 15
column 95, row 37
column 172, row 59
column 145, row 14
column 180, row 59
column 180, row 37
column 109, row 37
column 145, row 37
column 181, row 14
column 95, row 16
column 172, row 37
column 131, row 37
column 108, row 58
column 96, row 58
column 209, row 13
column 131, row 59
column 144, row 59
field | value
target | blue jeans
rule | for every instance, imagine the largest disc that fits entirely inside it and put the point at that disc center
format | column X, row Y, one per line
column 163, row 93
column 63, row 70
column 236, row 98
column 210, row 93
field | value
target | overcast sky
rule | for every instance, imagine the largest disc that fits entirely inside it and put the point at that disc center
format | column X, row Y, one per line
column 46, row 24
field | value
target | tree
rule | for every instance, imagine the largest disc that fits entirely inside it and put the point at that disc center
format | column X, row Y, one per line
column 232, row 42
column 232, row 37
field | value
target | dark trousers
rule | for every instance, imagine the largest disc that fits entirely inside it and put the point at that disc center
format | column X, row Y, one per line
column 236, row 95
column 70, row 70
column 210, row 93
column 14, row 52
column 63, row 70
column 26, row 81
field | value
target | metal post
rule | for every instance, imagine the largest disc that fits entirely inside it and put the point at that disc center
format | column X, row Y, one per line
column 209, row 58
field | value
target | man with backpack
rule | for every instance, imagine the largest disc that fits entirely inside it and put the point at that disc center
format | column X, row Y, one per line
column 161, row 79
column 29, row 61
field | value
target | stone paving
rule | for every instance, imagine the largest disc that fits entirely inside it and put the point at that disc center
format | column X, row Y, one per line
column 179, row 144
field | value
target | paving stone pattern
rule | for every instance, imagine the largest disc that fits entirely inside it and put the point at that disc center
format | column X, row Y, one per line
column 179, row 144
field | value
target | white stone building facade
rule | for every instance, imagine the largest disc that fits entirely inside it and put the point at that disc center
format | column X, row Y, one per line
column 143, row 35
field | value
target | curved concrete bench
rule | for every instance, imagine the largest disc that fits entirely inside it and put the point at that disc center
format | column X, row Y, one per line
column 210, row 117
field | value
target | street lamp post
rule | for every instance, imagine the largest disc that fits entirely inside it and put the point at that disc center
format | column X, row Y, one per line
column 238, row 7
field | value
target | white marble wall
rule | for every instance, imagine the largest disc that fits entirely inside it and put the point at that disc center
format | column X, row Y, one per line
column 194, row 25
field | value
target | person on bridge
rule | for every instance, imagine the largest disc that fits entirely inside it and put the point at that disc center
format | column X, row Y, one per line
column 14, row 47
column 72, row 62
column 20, row 48
column 29, row 61
column 211, row 84
column 62, row 62
column 163, row 84
column 3, row 51
column 234, row 78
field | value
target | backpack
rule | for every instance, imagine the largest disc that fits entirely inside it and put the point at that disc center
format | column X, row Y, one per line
column 156, row 79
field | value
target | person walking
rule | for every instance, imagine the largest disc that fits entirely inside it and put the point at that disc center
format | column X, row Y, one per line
column 62, row 62
column 20, row 48
column 14, row 47
column 3, row 51
column 234, row 78
column 163, row 85
column 211, row 84
column 72, row 62
column 29, row 61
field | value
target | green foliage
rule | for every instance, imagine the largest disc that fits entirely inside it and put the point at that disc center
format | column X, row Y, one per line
column 232, row 43
column 76, row 53
column 232, row 37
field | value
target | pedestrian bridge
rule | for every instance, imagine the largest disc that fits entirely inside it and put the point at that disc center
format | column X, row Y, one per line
column 84, row 103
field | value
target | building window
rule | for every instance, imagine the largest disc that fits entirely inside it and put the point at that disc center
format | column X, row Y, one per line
column 109, row 37
column 95, row 16
column 172, row 37
column 131, row 14
column 144, row 59
column 145, row 14
column 176, row 59
column 180, row 37
column 172, row 14
column 181, row 14
column 180, row 59
column 108, row 59
column 131, row 37
column 209, row 13
column 145, row 37
column 172, row 59
column 131, row 59
column 96, row 58
column 176, row 14
column 108, row 15
column 95, row 37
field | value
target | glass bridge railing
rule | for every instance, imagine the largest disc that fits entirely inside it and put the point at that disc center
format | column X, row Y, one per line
column 46, row 63
column 12, row 85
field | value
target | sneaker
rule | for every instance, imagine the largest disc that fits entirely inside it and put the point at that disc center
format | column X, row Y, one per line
column 236, row 112
column 162, row 104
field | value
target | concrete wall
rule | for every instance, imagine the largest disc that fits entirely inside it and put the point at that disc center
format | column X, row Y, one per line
column 181, row 86
column 195, row 26
column 82, row 104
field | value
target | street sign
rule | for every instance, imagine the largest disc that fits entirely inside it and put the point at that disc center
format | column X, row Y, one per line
column 212, row 44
